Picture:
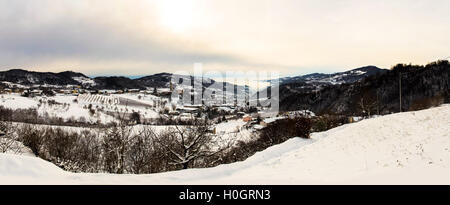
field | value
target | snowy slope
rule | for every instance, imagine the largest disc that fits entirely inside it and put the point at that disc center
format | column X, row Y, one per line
column 404, row 148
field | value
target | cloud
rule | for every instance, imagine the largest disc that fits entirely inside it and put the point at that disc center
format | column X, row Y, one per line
column 87, row 40
column 290, row 36
column 91, row 37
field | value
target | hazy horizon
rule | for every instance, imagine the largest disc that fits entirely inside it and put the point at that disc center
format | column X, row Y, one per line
column 215, row 77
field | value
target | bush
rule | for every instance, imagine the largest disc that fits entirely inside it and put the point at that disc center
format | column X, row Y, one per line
column 135, row 118
column 282, row 130
column 32, row 138
column 61, row 144
column 426, row 102
column 327, row 122
column 48, row 92
column 68, row 150
column 88, row 152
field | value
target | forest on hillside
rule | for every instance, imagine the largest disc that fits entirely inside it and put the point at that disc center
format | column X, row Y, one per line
column 421, row 86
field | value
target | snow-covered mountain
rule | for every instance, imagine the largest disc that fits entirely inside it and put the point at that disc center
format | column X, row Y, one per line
column 402, row 148
column 30, row 78
column 25, row 77
column 161, row 80
column 350, row 76
column 421, row 87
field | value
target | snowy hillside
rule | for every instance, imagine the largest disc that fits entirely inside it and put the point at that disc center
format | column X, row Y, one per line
column 404, row 148
column 63, row 107
column 350, row 76
column 75, row 107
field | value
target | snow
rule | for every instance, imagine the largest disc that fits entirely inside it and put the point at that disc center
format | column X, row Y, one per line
column 14, row 101
column 14, row 147
column 230, row 126
column 13, row 84
column 403, row 148
column 273, row 119
column 36, row 170
column 75, row 107
column 358, row 72
column 72, row 109
column 143, row 98
column 234, row 131
column 305, row 113
column 85, row 81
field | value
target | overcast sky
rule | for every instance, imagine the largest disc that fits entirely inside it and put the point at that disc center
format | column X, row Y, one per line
column 138, row 37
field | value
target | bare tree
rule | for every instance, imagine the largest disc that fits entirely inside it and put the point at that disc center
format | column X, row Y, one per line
column 135, row 118
column 187, row 144
column 367, row 106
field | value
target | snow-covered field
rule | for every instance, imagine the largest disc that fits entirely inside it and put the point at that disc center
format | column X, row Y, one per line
column 14, row 101
column 66, row 109
column 404, row 148
column 76, row 107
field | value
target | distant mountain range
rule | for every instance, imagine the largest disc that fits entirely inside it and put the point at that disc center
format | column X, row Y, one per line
column 161, row 80
column 42, row 78
column 337, row 93
column 368, row 90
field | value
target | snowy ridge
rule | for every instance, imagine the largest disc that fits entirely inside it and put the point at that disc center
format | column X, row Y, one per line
column 403, row 148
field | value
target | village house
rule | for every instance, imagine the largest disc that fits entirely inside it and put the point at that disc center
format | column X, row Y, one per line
column 36, row 92
column 7, row 90
column 32, row 93
column 133, row 90
column 186, row 109
column 174, row 113
column 247, row 118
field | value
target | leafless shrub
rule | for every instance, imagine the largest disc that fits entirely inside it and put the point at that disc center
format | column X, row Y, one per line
column 326, row 122
column 426, row 102
column 61, row 147
column 281, row 130
column 143, row 156
column 8, row 138
column 31, row 137
column 88, row 151
column 367, row 106
column 120, row 149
